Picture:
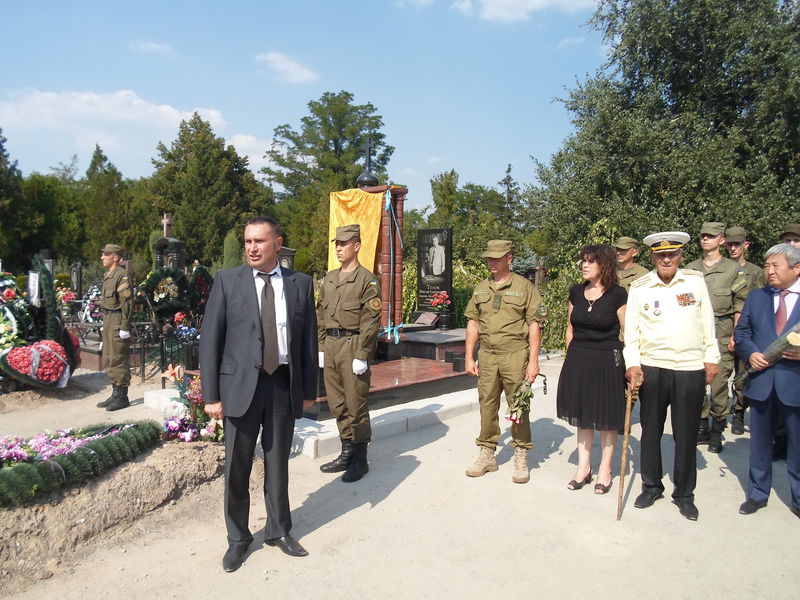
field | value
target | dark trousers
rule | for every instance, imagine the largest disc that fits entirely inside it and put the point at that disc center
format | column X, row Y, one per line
column 763, row 417
column 683, row 392
column 271, row 412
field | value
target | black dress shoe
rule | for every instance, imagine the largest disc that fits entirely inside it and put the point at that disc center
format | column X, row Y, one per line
column 749, row 506
column 289, row 545
column 687, row 508
column 234, row 557
column 647, row 498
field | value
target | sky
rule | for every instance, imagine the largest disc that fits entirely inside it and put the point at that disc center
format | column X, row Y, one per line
column 470, row 85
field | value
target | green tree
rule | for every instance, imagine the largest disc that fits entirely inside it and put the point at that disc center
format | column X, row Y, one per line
column 13, row 215
column 207, row 187
column 232, row 250
column 693, row 119
column 322, row 157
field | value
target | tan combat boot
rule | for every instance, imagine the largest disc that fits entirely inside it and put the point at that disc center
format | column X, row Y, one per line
column 484, row 463
column 521, row 473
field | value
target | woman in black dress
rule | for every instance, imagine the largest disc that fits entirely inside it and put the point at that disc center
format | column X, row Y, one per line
column 591, row 389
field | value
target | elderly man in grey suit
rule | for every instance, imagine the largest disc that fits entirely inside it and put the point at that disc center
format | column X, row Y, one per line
column 258, row 361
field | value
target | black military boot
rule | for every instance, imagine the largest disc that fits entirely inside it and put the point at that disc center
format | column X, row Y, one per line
column 121, row 400
column 358, row 466
column 111, row 398
column 737, row 422
column 702, row 432
column 341, row 462
column 715, row 437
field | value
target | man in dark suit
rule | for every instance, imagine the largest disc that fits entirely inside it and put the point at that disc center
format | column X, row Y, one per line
column 258, row 360
column 772, row 389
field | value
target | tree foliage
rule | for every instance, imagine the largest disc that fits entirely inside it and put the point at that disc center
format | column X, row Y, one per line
column 207, row 187
column 322, row 157
column 693, row 119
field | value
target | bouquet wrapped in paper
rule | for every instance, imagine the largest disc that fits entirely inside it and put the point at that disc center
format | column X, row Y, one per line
column 788, row 341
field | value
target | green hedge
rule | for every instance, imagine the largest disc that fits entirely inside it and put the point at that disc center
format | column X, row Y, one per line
column 22, row 482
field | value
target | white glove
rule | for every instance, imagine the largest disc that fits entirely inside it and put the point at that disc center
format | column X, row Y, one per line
column 124, row 335
column 321, row 360
column 359, row 366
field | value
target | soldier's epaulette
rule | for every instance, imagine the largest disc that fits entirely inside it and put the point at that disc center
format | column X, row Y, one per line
column 640, row 281
column 693, row 272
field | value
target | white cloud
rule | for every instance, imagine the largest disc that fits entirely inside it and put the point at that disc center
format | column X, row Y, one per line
column 511, row 11
column 44, row 128
column 462, row 6
column 569, row 41
column 151, row 47
column 287, row 68
column 251, row 147
column 433, row 160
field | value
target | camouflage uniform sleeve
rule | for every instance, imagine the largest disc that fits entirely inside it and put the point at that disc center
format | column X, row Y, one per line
column 125, row 298
column 371, row 305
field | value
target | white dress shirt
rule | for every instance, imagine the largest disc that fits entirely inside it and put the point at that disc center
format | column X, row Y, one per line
column 280, row 309
column 790, row 300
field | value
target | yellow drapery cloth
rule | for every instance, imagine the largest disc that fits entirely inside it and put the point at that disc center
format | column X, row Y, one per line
column 356, row 206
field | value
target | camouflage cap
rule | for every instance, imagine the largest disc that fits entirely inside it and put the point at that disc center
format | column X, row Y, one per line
column 735, row 234
column 497, row 248
column 713, row 228
column 111, row 249
column 625, row 243
column 347, row 232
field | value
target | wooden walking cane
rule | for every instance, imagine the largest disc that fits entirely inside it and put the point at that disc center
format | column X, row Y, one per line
column 630, row 394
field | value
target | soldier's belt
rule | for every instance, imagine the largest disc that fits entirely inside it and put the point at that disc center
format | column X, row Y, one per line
column 723, row 318
column 339, row 333
column 111, row 311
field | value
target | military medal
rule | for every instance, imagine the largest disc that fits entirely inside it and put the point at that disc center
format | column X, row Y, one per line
column 656, row 308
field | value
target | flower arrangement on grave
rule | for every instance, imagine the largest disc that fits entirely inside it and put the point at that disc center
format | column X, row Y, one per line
column 196, row 423
column 50, row 460
column 92, row 312
column 42, row 363
column 36, row 349
column 183, row 327
column 167, row 289
column 440, row 301
column 65, row 296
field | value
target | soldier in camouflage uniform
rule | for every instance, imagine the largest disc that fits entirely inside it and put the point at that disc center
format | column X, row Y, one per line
column 116, row 304
column 628, row 271
column 737, row 244
column 504, row 313
column 726, row 289
column 348, row 319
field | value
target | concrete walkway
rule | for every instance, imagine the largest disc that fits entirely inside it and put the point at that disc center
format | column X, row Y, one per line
column 417, row 527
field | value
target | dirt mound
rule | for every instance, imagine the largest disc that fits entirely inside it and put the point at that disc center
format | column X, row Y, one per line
column 39, row 540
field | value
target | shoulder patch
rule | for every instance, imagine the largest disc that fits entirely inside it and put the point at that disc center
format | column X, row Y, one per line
column 639, row 282
column 739, row 284
column 375, row 304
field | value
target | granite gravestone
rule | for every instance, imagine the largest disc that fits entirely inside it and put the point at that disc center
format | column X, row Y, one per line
column 434, row 266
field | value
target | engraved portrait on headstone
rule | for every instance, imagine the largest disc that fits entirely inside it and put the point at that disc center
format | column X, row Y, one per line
column 434, row 265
